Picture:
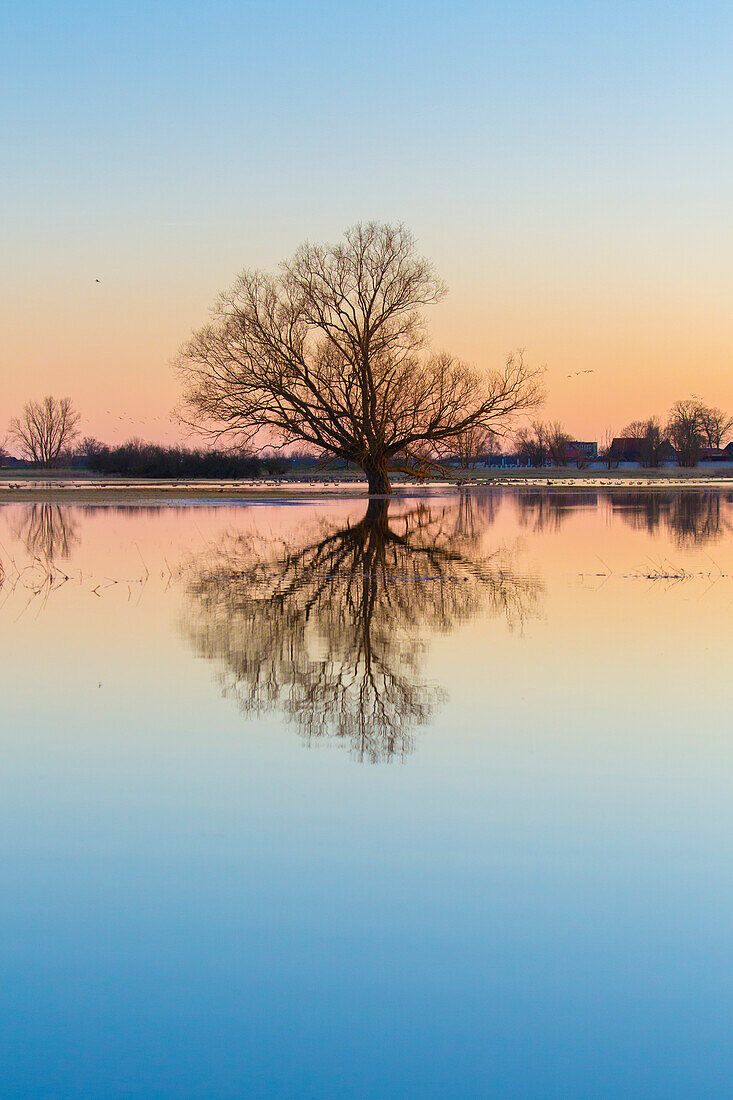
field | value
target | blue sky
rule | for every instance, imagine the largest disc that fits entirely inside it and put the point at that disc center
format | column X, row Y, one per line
column 566, row 165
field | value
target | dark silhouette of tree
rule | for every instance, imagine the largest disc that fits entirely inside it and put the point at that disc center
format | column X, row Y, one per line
column 686, row 431
column 558, row 444
column 332, row 630
column 650, row 440
column 332, row 353
column 45, row 430
column 137, row 458
column 474, row 444
column 540, row 444
column 607, row 452
column 716, row 425
column 531, row 444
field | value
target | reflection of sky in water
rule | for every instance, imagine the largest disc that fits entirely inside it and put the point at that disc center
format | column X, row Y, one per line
column 534, row 901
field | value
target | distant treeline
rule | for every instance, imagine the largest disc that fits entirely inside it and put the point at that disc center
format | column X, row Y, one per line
column 45, row 436
column 138, row 459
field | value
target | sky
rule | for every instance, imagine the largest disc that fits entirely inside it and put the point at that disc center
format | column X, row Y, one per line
column 566, row 166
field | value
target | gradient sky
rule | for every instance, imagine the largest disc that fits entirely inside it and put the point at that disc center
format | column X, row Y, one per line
column 567, row 166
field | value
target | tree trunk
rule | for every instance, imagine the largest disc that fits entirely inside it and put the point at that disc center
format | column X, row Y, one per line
column 378, row 478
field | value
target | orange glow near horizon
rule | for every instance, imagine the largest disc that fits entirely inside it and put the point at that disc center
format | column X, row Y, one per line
column 111, row 350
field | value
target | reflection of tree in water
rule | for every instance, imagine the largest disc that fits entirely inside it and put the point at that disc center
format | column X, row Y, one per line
column 476, row 512
column 691, row 515
column 331, row 630
column 48, row 531
column 543, row 509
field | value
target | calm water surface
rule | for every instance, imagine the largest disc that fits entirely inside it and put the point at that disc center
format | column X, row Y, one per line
column 298, row 802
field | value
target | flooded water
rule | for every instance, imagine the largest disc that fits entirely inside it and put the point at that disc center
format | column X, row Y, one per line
column 302, row 802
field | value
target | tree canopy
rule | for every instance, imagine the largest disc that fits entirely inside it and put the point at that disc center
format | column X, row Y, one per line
column 45, row 429
column 332, row 352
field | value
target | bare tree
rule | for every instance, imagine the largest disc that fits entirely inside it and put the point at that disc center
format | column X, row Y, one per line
column 531, row 443
column 493, row 449
column 716, row 425
column 333, row 353
column 541, row 443
column 558, row 444
column 583, row 457
column 90, row 447
column 45, row 429
column 686, row 430
column 608, row 452
column 472, row 444
column 650, row 440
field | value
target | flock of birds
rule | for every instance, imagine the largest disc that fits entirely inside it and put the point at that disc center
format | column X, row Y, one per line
column 136, row 419
column 577, row 372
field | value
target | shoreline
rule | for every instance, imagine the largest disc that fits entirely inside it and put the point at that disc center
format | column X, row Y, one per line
column 69, row 489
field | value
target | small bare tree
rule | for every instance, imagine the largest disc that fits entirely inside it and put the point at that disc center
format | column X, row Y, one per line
column 332, row 353
column 716, row 425
column 650, row 440
column 45, row 429
column 608, row 452
column 541, row 443
column 473, row 444
column 686, row 430
column 558, row 444
column 531, row 443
